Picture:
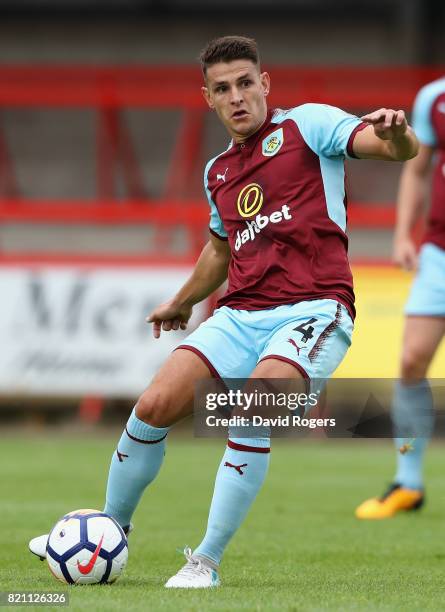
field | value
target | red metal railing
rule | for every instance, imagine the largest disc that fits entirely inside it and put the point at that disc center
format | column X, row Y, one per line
column 179, row 86
column 110, row 90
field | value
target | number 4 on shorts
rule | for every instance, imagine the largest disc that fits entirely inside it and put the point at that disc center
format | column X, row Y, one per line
column 306, row 330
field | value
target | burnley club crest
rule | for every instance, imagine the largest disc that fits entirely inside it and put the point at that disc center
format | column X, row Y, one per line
column 273, row 143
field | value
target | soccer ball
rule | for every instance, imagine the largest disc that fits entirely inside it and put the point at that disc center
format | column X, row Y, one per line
column 87, row 547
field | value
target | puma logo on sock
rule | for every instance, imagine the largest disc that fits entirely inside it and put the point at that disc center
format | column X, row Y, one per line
column 236, row 467
column 120, row 456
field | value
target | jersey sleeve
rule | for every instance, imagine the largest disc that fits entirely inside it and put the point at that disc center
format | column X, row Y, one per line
column 326, row 129
column 422, row 115
column 216, row 226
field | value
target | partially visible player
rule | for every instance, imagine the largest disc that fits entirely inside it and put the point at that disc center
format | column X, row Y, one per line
column 425, row 309
column 278, row 232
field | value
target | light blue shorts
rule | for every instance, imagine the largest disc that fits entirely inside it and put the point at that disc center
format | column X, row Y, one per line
column 313, row 336
column 427, row 296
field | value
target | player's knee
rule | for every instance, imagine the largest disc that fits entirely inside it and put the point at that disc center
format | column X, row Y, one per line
column 155, row 407
column 414, row 364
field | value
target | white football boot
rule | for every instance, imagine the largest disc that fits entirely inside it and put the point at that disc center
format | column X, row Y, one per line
column 196, row 574
column 38, row 545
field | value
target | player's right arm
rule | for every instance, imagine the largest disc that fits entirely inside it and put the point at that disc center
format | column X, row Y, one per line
column 209, row 274
column 410, row 203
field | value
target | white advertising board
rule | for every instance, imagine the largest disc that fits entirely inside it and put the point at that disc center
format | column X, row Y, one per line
column 70, row 331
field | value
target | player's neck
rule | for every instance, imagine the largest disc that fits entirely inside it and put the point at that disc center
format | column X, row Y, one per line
column 240, row 138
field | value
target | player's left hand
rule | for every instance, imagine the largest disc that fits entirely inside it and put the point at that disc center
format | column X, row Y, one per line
column 388, row 124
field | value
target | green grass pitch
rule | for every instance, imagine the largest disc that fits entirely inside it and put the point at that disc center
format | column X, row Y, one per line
column 300, row 548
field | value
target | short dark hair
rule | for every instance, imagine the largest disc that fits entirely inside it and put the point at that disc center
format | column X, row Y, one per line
column 228, row 49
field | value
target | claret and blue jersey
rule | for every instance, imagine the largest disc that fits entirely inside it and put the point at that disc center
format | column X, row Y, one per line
column 429, row 125
column 279, row 199
column 427, row 296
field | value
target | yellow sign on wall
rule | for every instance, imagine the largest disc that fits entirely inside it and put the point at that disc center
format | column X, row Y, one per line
column 381, row 293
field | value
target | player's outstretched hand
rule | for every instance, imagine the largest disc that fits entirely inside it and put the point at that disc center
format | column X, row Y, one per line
column 405, row 253
column 169, row 316
column 388, row 124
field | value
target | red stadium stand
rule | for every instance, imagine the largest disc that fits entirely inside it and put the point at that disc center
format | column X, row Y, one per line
column 111, row 90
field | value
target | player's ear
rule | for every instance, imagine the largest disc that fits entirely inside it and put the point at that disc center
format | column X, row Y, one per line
column 265, row 82
column 206, row 95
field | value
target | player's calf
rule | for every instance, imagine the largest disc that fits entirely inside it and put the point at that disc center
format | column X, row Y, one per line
column 141, row 448
column 414, row 365
column 134, row 465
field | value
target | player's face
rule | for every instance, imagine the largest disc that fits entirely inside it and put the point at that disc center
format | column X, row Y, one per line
column 237, row 92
